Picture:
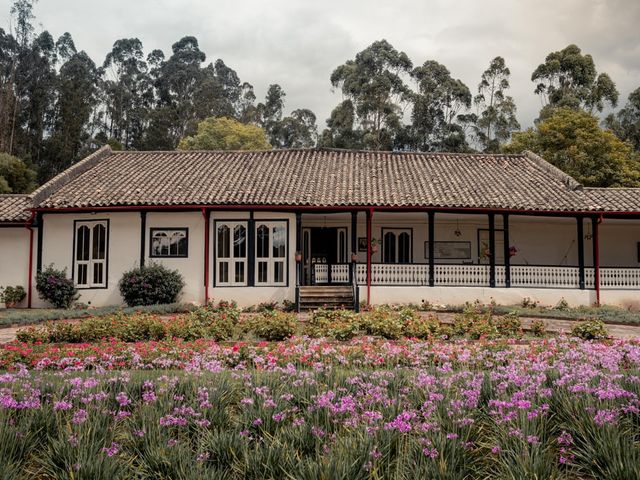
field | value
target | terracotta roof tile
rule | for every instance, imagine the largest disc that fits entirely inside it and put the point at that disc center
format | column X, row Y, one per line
column 326, row 178
column 14, row 208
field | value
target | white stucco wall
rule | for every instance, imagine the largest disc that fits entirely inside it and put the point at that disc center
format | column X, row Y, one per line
column 14, row 257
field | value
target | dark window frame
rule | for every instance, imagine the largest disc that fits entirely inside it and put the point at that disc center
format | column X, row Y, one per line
column 107, row 253
column 160, row 229
column 397, row 231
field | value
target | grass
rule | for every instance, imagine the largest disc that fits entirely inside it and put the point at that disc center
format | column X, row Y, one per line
column 23, row 316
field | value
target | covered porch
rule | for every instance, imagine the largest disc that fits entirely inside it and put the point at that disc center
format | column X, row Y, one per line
column 492, row 250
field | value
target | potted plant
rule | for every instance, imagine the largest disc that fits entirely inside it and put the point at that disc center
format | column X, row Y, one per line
column 354, row 257
column 298, row 257
column 513, row 251
column 12, row 296
column 374, row 245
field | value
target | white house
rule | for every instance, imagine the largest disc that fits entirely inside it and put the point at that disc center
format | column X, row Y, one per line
column 322, row 225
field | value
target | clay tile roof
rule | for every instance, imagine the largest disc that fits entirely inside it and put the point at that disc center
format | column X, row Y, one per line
column 320, row 177
column 14, row 208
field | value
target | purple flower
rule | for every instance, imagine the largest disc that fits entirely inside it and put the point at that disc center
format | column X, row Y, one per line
column 112, row 450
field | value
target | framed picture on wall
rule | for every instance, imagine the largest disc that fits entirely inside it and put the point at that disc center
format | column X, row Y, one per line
column 449, row 250
column 362, row 244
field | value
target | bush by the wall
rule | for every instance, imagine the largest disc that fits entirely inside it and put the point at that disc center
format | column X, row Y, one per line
column 12, row 295
column 150, row 285
column 54, row 287
column 339, row 324
column 383, row 321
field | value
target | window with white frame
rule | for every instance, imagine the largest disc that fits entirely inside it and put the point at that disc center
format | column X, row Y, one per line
column 396, row 245
column 90, row 269
column 231, row 253
column 271, row 253
column 169, row 242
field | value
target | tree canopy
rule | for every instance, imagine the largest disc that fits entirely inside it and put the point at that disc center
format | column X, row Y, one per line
column 15, row 175
column 573, row 141
column 222, row 133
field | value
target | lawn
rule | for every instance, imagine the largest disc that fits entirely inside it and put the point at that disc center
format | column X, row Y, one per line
column 314, row 408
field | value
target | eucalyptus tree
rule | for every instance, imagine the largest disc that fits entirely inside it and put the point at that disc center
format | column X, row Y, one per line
column 439, row 109
column 567, row 78
column 626, row 123
column 374, row 82
column 496, row 110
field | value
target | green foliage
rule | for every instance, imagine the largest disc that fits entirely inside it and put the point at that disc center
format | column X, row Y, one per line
column 568, row 78
column 15, row 175
column 437, row 106
column 591, row 329
column 573, row 141
column 225, row 134
column 339, row 324
column 497, row 117
column 476, row 322
column 538, row 328
column 373, row 83
column 385, row 322
column 12, row 295
column 151, row 284
column 216, row 322
column 54, row 287
column 626, row 123
column 272, row 325
column 417, row 326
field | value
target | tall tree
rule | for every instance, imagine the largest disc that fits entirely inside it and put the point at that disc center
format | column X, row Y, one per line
column 341, row 131
column 496, row 110
column 15, row 175
column 128, row 92
column 568, row 78
column 626, row 123
column 270, row 112
column 225, row 134
column 77, row 97
column 574, row 142
column 374, row 84
column 298, row 130
column 437, row 106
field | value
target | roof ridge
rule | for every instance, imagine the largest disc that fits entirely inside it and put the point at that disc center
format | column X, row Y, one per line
column 71, row 173
column 611, row 188
column 570, row 182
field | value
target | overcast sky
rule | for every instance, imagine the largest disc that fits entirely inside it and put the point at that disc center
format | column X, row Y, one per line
column 298, row 43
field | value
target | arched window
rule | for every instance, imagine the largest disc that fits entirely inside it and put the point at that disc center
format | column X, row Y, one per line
column 90, row 269
column 396, row 245
column 169, row 242
column 271, row 253
column 231, row 253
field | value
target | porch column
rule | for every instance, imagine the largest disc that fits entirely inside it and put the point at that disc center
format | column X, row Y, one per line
column 492, row 250
column 143, row 236
column 507, row 250
column 580, row 222
column 354, row 246
column 251, row 250
column 40, row 225
column 298, row 252
column 431, row 215
column 369, row 220
column 596, row 257
column 206, row 214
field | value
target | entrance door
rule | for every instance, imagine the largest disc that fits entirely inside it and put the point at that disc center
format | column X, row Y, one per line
column 323, row 246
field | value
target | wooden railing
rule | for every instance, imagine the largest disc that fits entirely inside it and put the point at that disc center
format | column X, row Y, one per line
column 330, row 273
column 531, row 276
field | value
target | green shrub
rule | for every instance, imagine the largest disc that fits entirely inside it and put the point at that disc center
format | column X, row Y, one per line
column 422, row 327
column 150, row 285
column 215, row 322
column 383, row 321
column 12, row 295
column 273, row 325
column 54, row 287
column 339, row 324
column 539, row 328
column 508, row 325
column 591, row 329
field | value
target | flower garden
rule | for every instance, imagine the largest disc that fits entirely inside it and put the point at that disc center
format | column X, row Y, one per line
column 372, row 396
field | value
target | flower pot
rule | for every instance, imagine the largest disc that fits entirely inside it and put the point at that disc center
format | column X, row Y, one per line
column 374, row 248
column 354, row 257
column 298, row 257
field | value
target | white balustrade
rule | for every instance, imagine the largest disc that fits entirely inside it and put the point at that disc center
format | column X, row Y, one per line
column 462, row 275
column 532, row 276
column 537, row 276
column 321, row 273
column 619, row 277
column 340, row 273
